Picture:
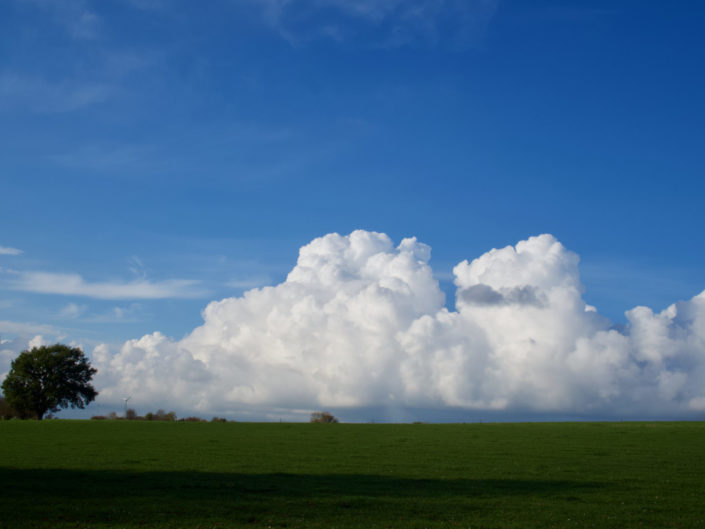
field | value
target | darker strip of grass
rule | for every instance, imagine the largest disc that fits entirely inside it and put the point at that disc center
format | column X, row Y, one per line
column 52, row 497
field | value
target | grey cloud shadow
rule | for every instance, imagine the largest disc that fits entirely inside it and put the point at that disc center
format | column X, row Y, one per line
column 485, row 295
column 35, row 497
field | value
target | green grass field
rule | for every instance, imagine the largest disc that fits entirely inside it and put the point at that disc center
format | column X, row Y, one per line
column 151, row 474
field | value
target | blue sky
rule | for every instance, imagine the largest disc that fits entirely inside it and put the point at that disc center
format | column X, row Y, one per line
column 156, row 155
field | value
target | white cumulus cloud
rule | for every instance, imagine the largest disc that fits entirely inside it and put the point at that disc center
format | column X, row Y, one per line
column 360, row 323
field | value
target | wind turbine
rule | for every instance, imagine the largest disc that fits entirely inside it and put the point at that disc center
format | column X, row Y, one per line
column 125, row 399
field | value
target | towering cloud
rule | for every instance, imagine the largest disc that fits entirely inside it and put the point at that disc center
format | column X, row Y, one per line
column 361, row 323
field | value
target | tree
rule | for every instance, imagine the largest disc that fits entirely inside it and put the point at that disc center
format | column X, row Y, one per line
column 6, row 412
column 48, row 378
column 323, row 416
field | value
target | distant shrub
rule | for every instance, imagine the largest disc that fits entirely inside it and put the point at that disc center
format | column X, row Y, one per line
column 323, row 416
column 160, row 415
column 219, row 419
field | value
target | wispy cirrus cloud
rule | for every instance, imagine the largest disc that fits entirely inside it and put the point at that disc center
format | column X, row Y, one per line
column 148, row 5
column 380, row 23
column 122, row 159
column 45, row 96
column 88, row 74
column 75, row 285
column 119, row 314
column 189, row 151
column 7, row 250
column 21, row 327
column 72, row 311
column 74, row 16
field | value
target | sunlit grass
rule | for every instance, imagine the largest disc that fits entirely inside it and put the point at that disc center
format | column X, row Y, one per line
column 150, row 474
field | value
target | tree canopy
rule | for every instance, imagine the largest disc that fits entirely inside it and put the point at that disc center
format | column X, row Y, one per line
column 323, row 416
column 45, row 379
column 6, row 412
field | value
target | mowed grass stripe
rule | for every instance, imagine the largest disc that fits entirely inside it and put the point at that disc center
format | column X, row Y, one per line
column 151, row 474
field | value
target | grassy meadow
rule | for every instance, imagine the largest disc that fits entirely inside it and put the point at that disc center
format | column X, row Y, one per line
column 206, row 475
